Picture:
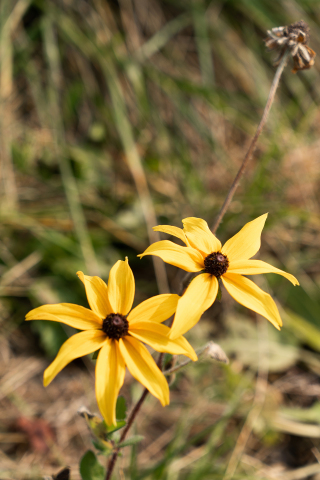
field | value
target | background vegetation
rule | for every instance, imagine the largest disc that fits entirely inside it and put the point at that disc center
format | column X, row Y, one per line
column 119, row 115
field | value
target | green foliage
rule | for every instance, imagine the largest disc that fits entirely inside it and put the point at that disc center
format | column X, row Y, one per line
column 90, row 468
column 131, row 441
column 115, row 428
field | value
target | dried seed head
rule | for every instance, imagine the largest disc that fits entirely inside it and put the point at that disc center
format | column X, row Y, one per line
column 294, row 38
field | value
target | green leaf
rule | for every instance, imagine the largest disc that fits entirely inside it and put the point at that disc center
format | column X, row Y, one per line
column 90, row 468
column 131, row 441
column 114, row 428
column 121, row 409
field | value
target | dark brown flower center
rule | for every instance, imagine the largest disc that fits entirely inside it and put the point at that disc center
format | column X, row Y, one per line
column 216, row 264
column 115, row 326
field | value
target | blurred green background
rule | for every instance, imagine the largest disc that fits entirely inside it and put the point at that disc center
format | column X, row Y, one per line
column 120, row 115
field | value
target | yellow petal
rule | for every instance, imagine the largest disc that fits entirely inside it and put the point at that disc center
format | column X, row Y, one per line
column 199, row 296
column 247, row 242
column 110, row 371
column 76, row 346
column 254, row 267
column 251, row 296
column 157, row 336
column 68, row 313
column 121, row 287
column 144, row 369
column 97, row 294
column 175, row 231
column 155, row 309
column 200, row 236
column 187, row 258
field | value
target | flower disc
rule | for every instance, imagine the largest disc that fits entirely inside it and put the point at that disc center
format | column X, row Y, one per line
column 216, row 264
column 115, row 326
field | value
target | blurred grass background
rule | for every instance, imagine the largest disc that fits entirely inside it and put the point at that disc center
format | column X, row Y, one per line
column 120, row 115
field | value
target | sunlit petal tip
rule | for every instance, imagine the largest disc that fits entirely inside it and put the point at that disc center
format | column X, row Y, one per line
column 187, row 258
column 189, row 350
column 73, row 315
column 200, row 236
column 256, row 267
column 156, row 309
column 248, row 294
column 246, row 243
column 76, row 346
column 46, row 380
column 174, row 231
column 97, row 294
column 144, row 369
column 199, row 296
column 156, row 336
column 81, row 275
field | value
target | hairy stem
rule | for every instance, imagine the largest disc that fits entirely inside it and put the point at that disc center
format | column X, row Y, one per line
column 253, row 144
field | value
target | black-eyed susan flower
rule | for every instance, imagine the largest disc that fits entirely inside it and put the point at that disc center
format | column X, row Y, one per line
column 204, row 253
column 110, row 328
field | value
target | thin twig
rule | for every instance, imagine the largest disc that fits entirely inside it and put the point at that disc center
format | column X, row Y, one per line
column 253, row 144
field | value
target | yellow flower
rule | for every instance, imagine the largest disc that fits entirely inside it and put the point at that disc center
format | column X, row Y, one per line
column 118, row 334
column 204, row 253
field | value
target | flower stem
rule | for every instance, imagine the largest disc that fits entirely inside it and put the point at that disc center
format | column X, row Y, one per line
column 253, row 144
column 131, row 418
